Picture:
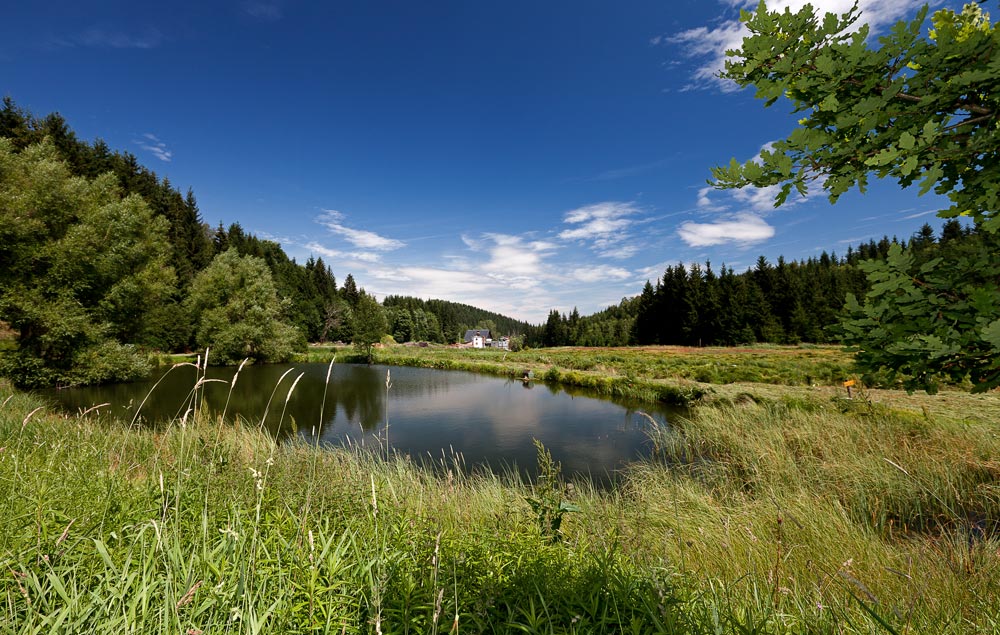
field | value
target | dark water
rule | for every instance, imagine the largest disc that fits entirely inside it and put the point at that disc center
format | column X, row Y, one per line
column 488, row 420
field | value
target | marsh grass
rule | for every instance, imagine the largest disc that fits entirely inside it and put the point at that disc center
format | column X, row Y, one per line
column 753, row 517
column 673, row 375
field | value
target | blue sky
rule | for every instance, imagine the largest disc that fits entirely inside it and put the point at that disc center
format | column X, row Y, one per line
column 518, row 156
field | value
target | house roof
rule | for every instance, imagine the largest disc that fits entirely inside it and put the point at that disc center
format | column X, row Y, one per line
column 471, row 333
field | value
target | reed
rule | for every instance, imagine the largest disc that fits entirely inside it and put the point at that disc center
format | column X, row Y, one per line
column 752, row 517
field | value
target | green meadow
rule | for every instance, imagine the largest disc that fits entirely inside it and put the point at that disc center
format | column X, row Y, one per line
column 776, row 506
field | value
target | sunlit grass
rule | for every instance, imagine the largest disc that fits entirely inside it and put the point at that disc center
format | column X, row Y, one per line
column 787, row 515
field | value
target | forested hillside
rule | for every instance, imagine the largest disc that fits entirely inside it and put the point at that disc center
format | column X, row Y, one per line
column 781, row 303
column 413, row 319
column 102, row 261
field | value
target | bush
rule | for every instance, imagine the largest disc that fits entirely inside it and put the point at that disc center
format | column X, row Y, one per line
column 106, row 362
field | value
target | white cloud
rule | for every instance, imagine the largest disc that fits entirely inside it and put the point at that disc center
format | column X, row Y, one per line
column 317, row 248
column 761, row 199
column 856, row 239
column 513, row 260
column 517, row 275
column 619, row 252
column 919, row 214
column 600, row 272
column 604, row 226
column 741, row 228
column 331, row 219
column 517, row 296
column 521, row 275
column 154, row 146
column 709, row 43
column 705, row 202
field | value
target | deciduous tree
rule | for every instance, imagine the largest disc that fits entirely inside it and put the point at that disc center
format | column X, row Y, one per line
column 369, row 325
column 237, row 312
column 914, row 108
column 81, row 267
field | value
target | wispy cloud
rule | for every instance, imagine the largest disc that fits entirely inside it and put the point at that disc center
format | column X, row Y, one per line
column 602, row 226
column 919, row 214
column 707, row 44
column 110, row 38
column 856, row 239
column 620, row 252
column 264, row 11
column 632, row 170
column 521, row 275
column 600, row 272
column 744, row 229
column 361, row 238
column 150, row 143
column 323, row 251
column 513, row 261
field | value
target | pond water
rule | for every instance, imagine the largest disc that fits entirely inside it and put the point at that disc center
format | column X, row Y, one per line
column 431, row 414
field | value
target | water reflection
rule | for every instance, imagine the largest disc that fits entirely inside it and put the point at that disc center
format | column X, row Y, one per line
column 489, row 420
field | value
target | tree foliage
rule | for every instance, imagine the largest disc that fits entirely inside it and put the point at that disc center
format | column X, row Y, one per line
column 917, row 109
column 81, row 269
column 914, row 108
column 931, row 316
column 446, row 322
column 237, row 311
column 369, row 325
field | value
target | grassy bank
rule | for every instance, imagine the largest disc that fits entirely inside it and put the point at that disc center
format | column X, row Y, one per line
column 670, row 374
column 776, row 515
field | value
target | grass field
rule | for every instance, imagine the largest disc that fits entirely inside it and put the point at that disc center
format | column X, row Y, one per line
column 773, row 508
column 671, row 374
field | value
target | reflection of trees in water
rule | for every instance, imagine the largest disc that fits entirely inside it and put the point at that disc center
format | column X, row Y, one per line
column 356, row 395
column 489, row 420
column 360, row 395
column 357, row 392
column 164, row 402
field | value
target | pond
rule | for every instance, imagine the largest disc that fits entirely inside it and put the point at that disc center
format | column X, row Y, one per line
column 486, row 420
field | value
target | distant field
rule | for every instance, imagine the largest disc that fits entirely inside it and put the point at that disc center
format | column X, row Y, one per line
column 789, row 365
column 679, row 374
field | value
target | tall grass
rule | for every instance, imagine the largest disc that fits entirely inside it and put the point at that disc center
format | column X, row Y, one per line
column 752, row 518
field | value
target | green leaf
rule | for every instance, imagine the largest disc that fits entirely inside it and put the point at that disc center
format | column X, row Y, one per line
column 991, row 334
column 931, row 176
column 929, row 131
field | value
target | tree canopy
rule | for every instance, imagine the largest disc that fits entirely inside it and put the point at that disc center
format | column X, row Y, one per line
column 81, row 269
column 238, row 313
column 914, row 108
column 369, row 325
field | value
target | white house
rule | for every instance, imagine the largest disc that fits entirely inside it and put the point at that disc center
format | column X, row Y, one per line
column 479, row 338
column 482, row 338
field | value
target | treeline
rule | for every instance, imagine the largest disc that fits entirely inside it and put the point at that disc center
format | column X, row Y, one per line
column 610, row 327
column 101, row 261
column 414, row 319
column 189, row 237
column 313, row 304
column 781, row 303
